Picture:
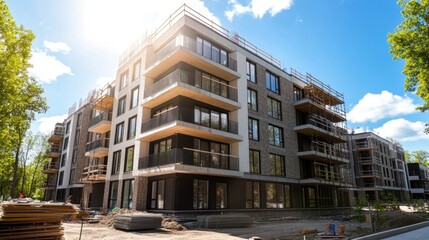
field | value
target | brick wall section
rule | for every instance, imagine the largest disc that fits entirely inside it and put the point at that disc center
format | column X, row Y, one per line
column 289, row 151
column 140, row 193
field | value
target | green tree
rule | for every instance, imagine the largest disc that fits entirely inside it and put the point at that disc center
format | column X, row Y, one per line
column 21, row 96
column 410, row 42
column 419, row 156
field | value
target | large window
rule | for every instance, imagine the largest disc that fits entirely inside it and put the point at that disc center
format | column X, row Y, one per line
column 254, row 161
column 79, row 120
column 61, row 178
column 253, row 195
column 127, row 193
column 76, row 137
column 134, row 97
column 119, row 132
column 113, row 194
column 211, row 84
column 74, row 156
column 221, row 195
column 72, row 176
column 211, row 118
column 252, row 100
column 129, row 159
column 277, row 165
column 63, row 159
column 66, row 143
column 210, row 51
column 136, row 70
column 278, row 195
column 162, row 146
column 274, row 108
column 116, row 166
column 201, row 194
column 132, row 123
column 158, row 195
column 211, row 154
column 297, row 94
column 253, row 129
column 275, row 135
column 68, row 127
column 121, row 105
column 251, row 72
column 123, row 80
column 272, row 82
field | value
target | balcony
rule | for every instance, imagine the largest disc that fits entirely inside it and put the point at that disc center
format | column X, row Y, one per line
column 181, row 120
column 56, row 135
column 189, row 160
column 324, row 152
column 54, row 151
column 322, row 128
column 329, row 177
column 369, row 173
column 182, row 82
column 184, row 49
column 103, row 99
column 334, row 113
column 51, row 168
column 97, row 148
column 101, row 123
column 48, row 185
column 94, row 173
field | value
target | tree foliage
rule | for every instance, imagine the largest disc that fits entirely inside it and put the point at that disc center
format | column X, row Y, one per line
column 410, row 42
column 21, row 96
column 419, row 156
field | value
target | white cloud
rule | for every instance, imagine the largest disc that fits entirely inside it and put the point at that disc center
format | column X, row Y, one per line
column 402, row 130
column 47, row 68
column 47, row 124
column 373, row 107
column 102, row 81
column 116, row 24
column 257, row 7
column 57, row 47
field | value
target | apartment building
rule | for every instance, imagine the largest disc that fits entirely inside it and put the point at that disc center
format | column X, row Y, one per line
column 380, row 167
column 202, row 120
column 418, row 176
column 51, row 168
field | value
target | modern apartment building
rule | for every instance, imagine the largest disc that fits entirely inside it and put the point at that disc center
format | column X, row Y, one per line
column 418, row 175
column 380, row 167
column 51, row 168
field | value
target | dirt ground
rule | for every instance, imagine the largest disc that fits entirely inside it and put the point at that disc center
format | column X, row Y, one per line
column 285, row 229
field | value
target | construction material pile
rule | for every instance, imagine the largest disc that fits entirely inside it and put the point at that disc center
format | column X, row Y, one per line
column 134, row 222
column 224, row 221
column 34, row 220
column 170, row 223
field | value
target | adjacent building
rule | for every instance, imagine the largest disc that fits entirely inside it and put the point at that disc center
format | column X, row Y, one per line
column 419, row 180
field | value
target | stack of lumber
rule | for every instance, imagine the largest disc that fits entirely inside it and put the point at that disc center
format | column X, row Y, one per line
column 134, row 222
column 224, row 221
column 34, row 220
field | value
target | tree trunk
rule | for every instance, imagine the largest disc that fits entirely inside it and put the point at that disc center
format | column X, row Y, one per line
column 23, row 177
column 15, row 172
column 33, row 178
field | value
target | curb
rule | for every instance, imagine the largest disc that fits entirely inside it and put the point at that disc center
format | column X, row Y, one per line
column 393, row 232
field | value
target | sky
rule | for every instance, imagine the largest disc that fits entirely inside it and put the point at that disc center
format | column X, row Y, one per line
column 341, row 42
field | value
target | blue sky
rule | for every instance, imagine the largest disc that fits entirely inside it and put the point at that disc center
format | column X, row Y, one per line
column 341, row 42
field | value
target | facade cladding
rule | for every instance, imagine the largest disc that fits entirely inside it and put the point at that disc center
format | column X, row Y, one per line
column 199, row 119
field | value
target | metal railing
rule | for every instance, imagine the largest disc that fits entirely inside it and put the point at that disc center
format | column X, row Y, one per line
column 194, row 157
column 54, row 148
column 326, row 125
column 187, row 115
column 329, row 149
column 52, row 165
column 188, row 43
column 104, row 116
column 323, row 172
column 183, row 76
column 100, row 143
column 94, row 172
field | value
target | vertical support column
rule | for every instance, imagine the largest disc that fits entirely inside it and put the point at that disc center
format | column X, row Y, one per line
column 140, row 193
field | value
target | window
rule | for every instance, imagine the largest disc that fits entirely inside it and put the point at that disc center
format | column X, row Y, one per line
column 272, row 82
column 211, row 84
column 127, row 193
column 63, row 159
column 211, row 154
column 254, row 161
column 252, row 100
column 79, row 120
column 251, row 72
column 221, row 195
column 119, row 132
column 287, row 197
column 66, row 143
column 277, row 165
column 72, row 175
column 68, row 127
column 74, row 156
column 129, row 158
column 274, row 108
column 61, row 179
column 136, row 70
column 211, row 118
column 252, row 195
column 76, row 138
column 123, row 80
column 132, row 123
column 275, row 136
column 121, row 105
column 113, row 194
column 158, row 195
column 201, row 194
column 210, row 51
column 297, row 94
column 134, row 97
column 253, row 129
column 276, row 195
column 116, row 162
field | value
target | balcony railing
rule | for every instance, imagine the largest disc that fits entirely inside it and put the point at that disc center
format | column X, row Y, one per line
column 100, row 143
column 51, row 166
column 188, row 43
column 94, row 173
column 326, row 125
column 370, row 173
column 101, row 117
column 333, row 176
column 49, row 184
column 192, row 157
column 55, row 148
column 326, row 148
column 187, row 115
column 188, row 77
